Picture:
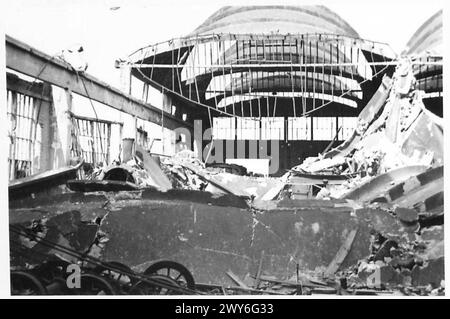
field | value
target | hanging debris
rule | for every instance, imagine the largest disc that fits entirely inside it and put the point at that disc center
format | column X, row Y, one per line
column 363, row 218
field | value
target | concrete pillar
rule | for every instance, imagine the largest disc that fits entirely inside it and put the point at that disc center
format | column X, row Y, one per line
column 198, row 139
column 46, row 159
column 167, row 107
column 68, row 125
column 62, row 138
column 129, row 129
column 145, row 93
column 128, row 137
column 125, row 79
column 167, row 103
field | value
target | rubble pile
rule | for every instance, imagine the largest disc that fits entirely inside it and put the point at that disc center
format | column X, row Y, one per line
column 182, row 171
column 406, row 257
column 187, row 172
column 393, row 165
column 391, row 133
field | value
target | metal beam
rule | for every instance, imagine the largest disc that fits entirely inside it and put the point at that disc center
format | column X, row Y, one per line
column 27, row 60
column 259, row 65
column 37, row 91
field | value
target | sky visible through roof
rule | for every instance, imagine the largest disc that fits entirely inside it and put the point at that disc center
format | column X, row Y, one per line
column 110, row 29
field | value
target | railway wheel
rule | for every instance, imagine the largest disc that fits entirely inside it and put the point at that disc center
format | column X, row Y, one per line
column 173, row 270
column 23, row 283
column 91, row 284
column 151, row 286
column 116, row 271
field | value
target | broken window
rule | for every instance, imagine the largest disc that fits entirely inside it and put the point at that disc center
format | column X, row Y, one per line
column 346, row 126
column 224, row 128
column 272, row 128
column 324, row 128
column 248, row 128
column 93, row 139
column 25, row 135
column 299, row 128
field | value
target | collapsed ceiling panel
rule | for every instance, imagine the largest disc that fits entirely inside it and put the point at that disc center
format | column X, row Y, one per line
column 307, row 50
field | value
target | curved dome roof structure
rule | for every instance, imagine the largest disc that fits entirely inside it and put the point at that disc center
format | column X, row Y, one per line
column 275, row 19
column 265, row 60
column 426, row 45
column 428, row 38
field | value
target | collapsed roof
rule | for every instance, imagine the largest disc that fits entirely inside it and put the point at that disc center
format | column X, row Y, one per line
column 246, row 60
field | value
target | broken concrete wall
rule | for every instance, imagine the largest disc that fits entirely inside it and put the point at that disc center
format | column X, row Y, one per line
column 33, row 236
column 209, row 234
column 212, row 234
column 209, row 240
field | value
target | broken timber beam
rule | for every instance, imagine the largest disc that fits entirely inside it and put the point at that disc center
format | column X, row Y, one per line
column 288, row 283
column 209, row 180
column 258, row 274
column 236, row 279
column 341, row 254
column 32, row 62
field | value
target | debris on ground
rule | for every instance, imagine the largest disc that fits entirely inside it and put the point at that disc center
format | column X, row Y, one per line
column 364, row 218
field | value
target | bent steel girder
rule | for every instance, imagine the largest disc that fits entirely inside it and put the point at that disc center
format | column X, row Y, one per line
column 274, row 106
column 288, row 82
column 302, row 50
column 328, row 70
column 209, row 70
column 237, row 99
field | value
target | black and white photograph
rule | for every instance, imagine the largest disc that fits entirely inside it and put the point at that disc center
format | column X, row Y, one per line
column 226, row 149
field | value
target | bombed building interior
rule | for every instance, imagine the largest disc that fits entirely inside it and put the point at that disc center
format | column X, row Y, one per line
column 290, row 156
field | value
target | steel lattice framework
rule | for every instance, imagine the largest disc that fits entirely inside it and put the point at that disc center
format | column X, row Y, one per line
column 248, row 74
